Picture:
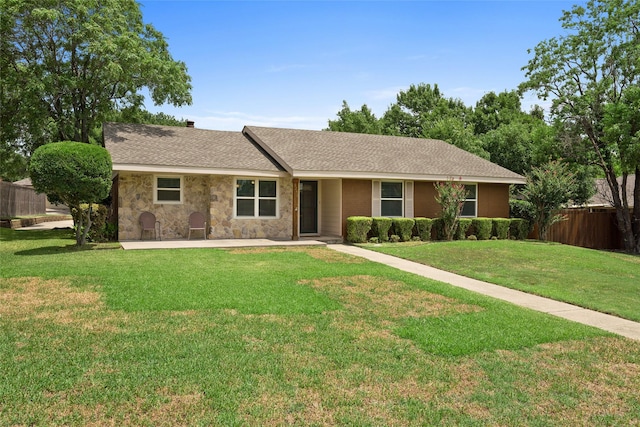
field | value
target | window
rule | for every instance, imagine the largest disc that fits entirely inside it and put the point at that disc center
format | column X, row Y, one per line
column 256, row 198
column 391, row 200
column 469, row 209
column 168, row 189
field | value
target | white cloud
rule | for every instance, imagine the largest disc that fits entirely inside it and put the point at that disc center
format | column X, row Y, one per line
column 235, row 121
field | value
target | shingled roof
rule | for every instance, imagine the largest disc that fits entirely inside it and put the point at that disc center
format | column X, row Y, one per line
column 139, row 147
column 301, row 153
column 323, row 153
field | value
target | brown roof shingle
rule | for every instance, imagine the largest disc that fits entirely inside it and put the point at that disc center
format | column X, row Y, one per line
column 300, row 152
column 321, row 151
column 170, row 146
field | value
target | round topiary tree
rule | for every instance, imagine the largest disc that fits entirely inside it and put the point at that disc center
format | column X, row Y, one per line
column 72, row 173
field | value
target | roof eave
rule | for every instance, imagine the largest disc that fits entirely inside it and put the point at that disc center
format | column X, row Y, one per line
column 404, row 177
column 127, row 167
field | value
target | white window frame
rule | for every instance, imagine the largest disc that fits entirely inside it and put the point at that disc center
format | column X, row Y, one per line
column 474, row 200
column 156, row 189
column 401, row 199
column 256, row 198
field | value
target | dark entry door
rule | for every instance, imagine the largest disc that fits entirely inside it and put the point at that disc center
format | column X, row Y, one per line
column 308, row 206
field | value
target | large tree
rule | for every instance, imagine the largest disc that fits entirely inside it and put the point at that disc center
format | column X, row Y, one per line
column 356, row 121
column 64, row 66
column 417, row 109
column 591, row 74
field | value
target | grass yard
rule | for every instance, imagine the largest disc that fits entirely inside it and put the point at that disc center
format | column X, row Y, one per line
column 603, row 281
column 284, row 337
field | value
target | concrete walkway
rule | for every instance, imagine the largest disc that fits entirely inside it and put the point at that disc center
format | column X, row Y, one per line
column 49, row 225
column 609, row 323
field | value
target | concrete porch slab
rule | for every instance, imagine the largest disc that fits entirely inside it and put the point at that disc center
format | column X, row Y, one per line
column 214, row 243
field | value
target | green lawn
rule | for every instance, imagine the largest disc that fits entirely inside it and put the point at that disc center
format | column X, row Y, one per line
column 604, row 281
column 284, row 336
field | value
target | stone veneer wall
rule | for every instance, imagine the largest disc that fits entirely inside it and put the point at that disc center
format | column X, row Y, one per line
column 225, row 226
column 135, row 195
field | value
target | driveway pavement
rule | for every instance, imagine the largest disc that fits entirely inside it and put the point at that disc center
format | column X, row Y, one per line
column 603, row 321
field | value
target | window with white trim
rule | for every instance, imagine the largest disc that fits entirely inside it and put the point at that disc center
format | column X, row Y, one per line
column 391, row 199
column 167, row 189
column 470, row 207
column 256, row 198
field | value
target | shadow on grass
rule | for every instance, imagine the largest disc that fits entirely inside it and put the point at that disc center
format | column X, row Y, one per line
column 56, row 250
column 7, row 234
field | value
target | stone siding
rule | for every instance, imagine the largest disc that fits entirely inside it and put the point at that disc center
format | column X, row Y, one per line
column 225, row 226
column 135, row 195
column 212, row 195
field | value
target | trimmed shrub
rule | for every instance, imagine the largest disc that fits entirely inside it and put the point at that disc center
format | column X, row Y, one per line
column 422, row 228
column 501, row 228
column 482, row 228
column 461, row 229
column 519, row 228
column 357, row 228
column 403, row 227
column 100, row 230
column 394, row 238
column 438, row 229
column 380, row 227
column 472, row 237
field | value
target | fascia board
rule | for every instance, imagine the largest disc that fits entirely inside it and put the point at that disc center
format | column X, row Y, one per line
column 123, row 167
column 406, row 177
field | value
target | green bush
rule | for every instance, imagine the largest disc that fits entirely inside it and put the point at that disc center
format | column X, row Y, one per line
column 438, row 229
column 100, row 230
column 394, row 238
column 403, row 227
column 461, row 229
column 482, row 228
column 519, row 228
column 501, row 228
column 380, row 227
column 422, row 228
column 357, row 228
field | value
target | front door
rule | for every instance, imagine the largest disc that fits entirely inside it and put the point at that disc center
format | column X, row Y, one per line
column 308, row 207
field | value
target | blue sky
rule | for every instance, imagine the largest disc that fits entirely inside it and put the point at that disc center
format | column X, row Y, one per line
column 292, row 63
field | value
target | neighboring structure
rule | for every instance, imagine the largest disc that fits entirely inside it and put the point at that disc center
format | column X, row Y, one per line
column 20, row 199
column 593, row 225
column 603, row 197
column 286, row 183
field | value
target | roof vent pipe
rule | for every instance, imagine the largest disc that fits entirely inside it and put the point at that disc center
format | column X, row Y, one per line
column 191, row 124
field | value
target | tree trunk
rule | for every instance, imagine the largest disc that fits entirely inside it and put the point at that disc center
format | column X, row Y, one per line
column 623, row 212
column 78, row 224
column 636, row 210
column 85, row 232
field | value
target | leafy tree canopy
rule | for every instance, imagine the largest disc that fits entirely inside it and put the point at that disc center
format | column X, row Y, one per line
column 417, row 108
column 357, row 121
column 592, row 75
column 72, row 173
column 549, row 188
column 64, row 66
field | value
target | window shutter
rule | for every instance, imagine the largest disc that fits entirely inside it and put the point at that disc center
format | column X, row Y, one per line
column 375, row 198
column 408, row 199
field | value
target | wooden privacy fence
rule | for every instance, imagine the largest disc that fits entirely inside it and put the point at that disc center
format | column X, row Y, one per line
column 588, row 228
column 16, row 200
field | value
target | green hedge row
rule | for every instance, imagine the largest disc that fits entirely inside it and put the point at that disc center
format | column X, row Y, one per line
column 361, row 229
